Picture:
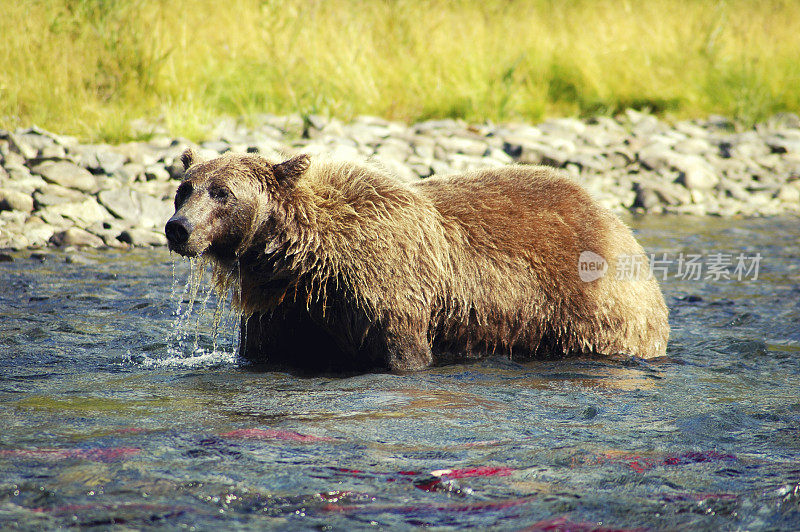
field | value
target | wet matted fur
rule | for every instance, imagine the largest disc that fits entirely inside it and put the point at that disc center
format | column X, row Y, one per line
column 340, row 266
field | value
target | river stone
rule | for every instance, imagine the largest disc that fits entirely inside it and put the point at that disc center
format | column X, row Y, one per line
column 131, row 172
column 138, row 236
column 699, row 178
column 393, row 152
column 155, row 212
column 784, row 143
column 216, row 146
column 344, row 153
column 84, row 213
column 52, row 152
column 51, row 194
column 54, row 219
column 11, row 158
column 38, row 233
column 156, row 172
column 15, row 201
column 75, row 236
column 657, row 155
column 692, row 146
column 66, row 174
column 110, row 161
column 18, row 144
column 788, row 194
column 121, row 202
column 466, row 146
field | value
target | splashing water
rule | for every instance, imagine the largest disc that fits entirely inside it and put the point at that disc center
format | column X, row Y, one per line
column 199, row 337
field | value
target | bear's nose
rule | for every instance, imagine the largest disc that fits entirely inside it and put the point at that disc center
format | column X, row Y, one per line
column 178, row 230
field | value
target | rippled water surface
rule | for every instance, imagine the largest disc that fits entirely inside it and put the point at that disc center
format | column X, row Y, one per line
column 112, row 415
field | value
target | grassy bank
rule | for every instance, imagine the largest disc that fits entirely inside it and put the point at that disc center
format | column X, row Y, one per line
column 88, row 67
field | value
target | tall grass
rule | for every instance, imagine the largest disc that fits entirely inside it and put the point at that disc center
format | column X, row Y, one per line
column 89, row 67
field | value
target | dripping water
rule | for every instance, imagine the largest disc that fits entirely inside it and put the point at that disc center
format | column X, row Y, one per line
column 202, row 332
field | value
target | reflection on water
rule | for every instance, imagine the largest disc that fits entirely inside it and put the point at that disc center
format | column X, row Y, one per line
column 112, row 415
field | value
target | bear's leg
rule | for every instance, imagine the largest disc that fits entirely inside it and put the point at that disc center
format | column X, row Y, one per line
column 407, row 347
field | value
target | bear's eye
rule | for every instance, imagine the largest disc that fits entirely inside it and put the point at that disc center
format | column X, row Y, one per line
column 184, row 191
column 219, row 193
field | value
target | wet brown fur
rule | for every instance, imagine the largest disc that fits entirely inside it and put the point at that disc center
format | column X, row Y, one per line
column 339, row 266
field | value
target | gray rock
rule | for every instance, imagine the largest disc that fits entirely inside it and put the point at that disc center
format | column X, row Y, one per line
column 37, row 232
column 393, row 150
column 54, row 219
column 75, row 236
column 397, row 168
column 84, row 213
column 693, row 146
column 66, row 174
column 784, row 143
column 155, row 212
column 131, row 172
column 15, row 201
column 788, row 194
column 696, row 176
column 52, row 152
column 122, row 203
column 499, row 156
column 138, row 236
column 651, row 193
column 11, row 158
column 156, row 172
column 657, row 155
column 216, row 146
column 109, row 161
column 139, row 153
column 51, row 194
column 345, row 153
column 79, row 259
column 164, row 190
column 466, row 146
column 465, row 163
column 18, row 145
column 430, row 126
column 421, row 170
column 736, row 191
column 529, row 152
column 563, row 127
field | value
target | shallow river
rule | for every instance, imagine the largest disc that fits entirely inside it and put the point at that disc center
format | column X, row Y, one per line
column 120, row 407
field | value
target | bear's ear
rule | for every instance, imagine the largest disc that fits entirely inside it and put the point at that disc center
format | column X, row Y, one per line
column 288, row 172
column 188, row 158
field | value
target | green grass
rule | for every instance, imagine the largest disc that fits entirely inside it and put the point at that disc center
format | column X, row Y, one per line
column 90, row 67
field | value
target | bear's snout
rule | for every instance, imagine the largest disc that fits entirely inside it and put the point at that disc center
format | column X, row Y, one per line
column 178, row 229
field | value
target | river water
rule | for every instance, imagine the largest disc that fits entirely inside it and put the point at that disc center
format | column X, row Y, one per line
column 121, row 408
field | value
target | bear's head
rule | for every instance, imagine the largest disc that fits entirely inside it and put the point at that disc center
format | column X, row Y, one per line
column 223, row 205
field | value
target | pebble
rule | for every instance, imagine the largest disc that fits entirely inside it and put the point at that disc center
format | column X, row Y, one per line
column 75, row 236
column 12, row 200
column 54, row 190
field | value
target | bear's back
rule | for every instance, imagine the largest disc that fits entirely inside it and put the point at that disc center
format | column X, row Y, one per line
column 523, row 210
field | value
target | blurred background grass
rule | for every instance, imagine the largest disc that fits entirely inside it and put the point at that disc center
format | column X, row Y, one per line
column 89, row 67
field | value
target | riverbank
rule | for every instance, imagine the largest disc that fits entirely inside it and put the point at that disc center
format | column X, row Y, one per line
column 57, row 191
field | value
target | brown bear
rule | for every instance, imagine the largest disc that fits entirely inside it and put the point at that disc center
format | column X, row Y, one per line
column 339, row 267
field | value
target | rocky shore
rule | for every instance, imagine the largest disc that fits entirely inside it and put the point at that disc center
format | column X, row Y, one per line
column 56, row 191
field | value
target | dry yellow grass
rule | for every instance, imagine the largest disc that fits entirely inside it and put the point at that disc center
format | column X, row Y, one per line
column 88, row 67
